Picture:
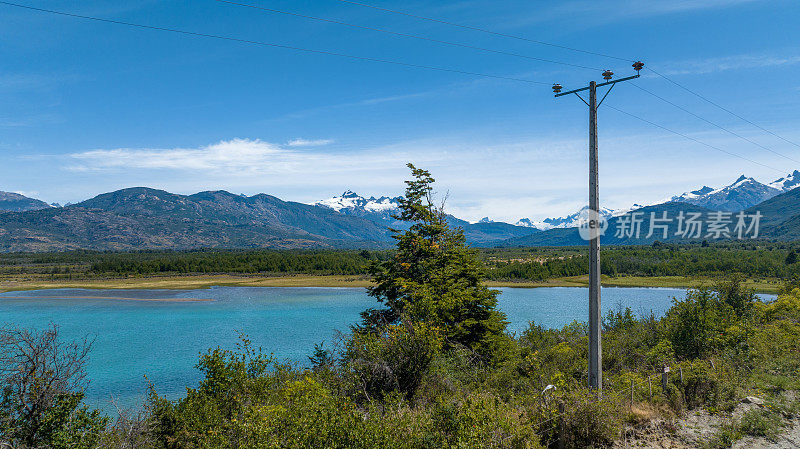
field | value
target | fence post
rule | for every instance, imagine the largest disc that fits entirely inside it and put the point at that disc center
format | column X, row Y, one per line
column 680, row 369
column 650, row 387
column 561, row 438
column 664, row 375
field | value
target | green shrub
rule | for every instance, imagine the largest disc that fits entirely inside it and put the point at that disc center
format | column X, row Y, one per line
column 761, row 423
column 391, row 358
column 708, row 385
column 696, row 325
column 588, row 421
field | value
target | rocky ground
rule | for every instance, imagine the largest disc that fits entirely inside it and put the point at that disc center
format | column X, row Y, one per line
column 697, row 428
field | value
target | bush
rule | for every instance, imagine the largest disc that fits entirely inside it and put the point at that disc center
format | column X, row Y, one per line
column 705, row 384
column 761, row 423
column 42, row 381
column 696, row 325
column 587, row 421
column 393, row 358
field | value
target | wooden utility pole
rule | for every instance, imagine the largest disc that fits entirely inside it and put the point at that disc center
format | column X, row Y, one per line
column 595, row 339
column 594, row 223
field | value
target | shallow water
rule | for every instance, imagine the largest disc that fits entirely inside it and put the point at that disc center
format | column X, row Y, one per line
column 160, row 333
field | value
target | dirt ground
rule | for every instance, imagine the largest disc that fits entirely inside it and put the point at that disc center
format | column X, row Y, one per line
column 696, row 428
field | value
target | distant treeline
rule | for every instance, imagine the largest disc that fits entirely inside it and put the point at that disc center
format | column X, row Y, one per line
column 244, row 262
column 753, row 259
column 765, row 261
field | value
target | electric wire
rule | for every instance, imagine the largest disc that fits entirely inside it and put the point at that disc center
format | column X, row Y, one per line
column 274, row 45
column 484, row 30
column 695, row 140
column 722, row 107
column 715, row 124
column 408, row 35
column 401, row 63
column 512, row 36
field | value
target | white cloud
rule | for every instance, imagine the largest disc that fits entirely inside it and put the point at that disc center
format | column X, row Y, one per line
column 309, row 143
column 236, row 155
column 505, row 180
column 734, row 62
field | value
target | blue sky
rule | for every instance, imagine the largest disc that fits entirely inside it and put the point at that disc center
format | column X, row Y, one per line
column 89, row 107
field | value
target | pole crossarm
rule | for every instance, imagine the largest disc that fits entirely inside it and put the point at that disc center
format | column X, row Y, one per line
column 599, row 85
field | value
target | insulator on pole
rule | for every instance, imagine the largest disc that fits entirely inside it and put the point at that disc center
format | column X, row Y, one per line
column 637, row 66
column 607, row 75
column 557, row 88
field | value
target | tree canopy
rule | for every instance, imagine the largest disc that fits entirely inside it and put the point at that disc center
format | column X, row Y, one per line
column 434, row 277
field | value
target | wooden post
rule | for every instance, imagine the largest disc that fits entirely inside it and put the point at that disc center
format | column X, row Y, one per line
column 664, row 374
column 595, row 334
column 680, row 370
column 561, row 439
column 650, row 386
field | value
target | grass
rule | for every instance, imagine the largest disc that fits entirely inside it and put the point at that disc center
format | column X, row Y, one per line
column 33, row 282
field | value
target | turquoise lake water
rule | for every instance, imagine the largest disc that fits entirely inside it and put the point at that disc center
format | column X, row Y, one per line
column 162, row 338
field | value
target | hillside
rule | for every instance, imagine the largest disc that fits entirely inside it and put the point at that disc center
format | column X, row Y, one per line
column 143, row 218
column 15, row 202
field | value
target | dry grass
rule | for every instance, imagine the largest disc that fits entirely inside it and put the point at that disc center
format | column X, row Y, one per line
column 188, row 282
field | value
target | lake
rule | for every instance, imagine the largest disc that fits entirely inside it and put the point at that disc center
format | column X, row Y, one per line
column 160, row 333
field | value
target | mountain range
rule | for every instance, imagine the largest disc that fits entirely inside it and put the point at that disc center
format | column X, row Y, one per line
column 743, row 193
column 144, row 218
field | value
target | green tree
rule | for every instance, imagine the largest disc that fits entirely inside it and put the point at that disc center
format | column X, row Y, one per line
column 696, row 325
column 435, row 278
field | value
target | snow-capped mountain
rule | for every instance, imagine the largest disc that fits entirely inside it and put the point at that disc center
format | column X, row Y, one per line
column 352, row 203
column 743, row 193
column 528, row 223
column 787, row 182
column 570, row 221
column 687, row 196
column 380, row 211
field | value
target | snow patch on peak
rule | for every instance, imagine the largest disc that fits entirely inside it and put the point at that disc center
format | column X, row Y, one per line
column 351, row 201
column 528, row 223
column 787, row 183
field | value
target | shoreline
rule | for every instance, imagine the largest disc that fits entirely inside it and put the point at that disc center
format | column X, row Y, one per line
column 195, row 282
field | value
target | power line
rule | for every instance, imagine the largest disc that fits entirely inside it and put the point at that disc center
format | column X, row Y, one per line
column 723, row 108
column 274, row 45
column 695, row 140
column 715, row 124
column 564, row 47
column 484, row 30
column 408, row 35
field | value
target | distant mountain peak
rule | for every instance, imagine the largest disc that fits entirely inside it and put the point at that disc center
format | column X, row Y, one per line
column 788, row 182
column 485, row 220
column 743, row 193
column 350, row 194
column 351, row 202
column 570, row 221
column 16, row 202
